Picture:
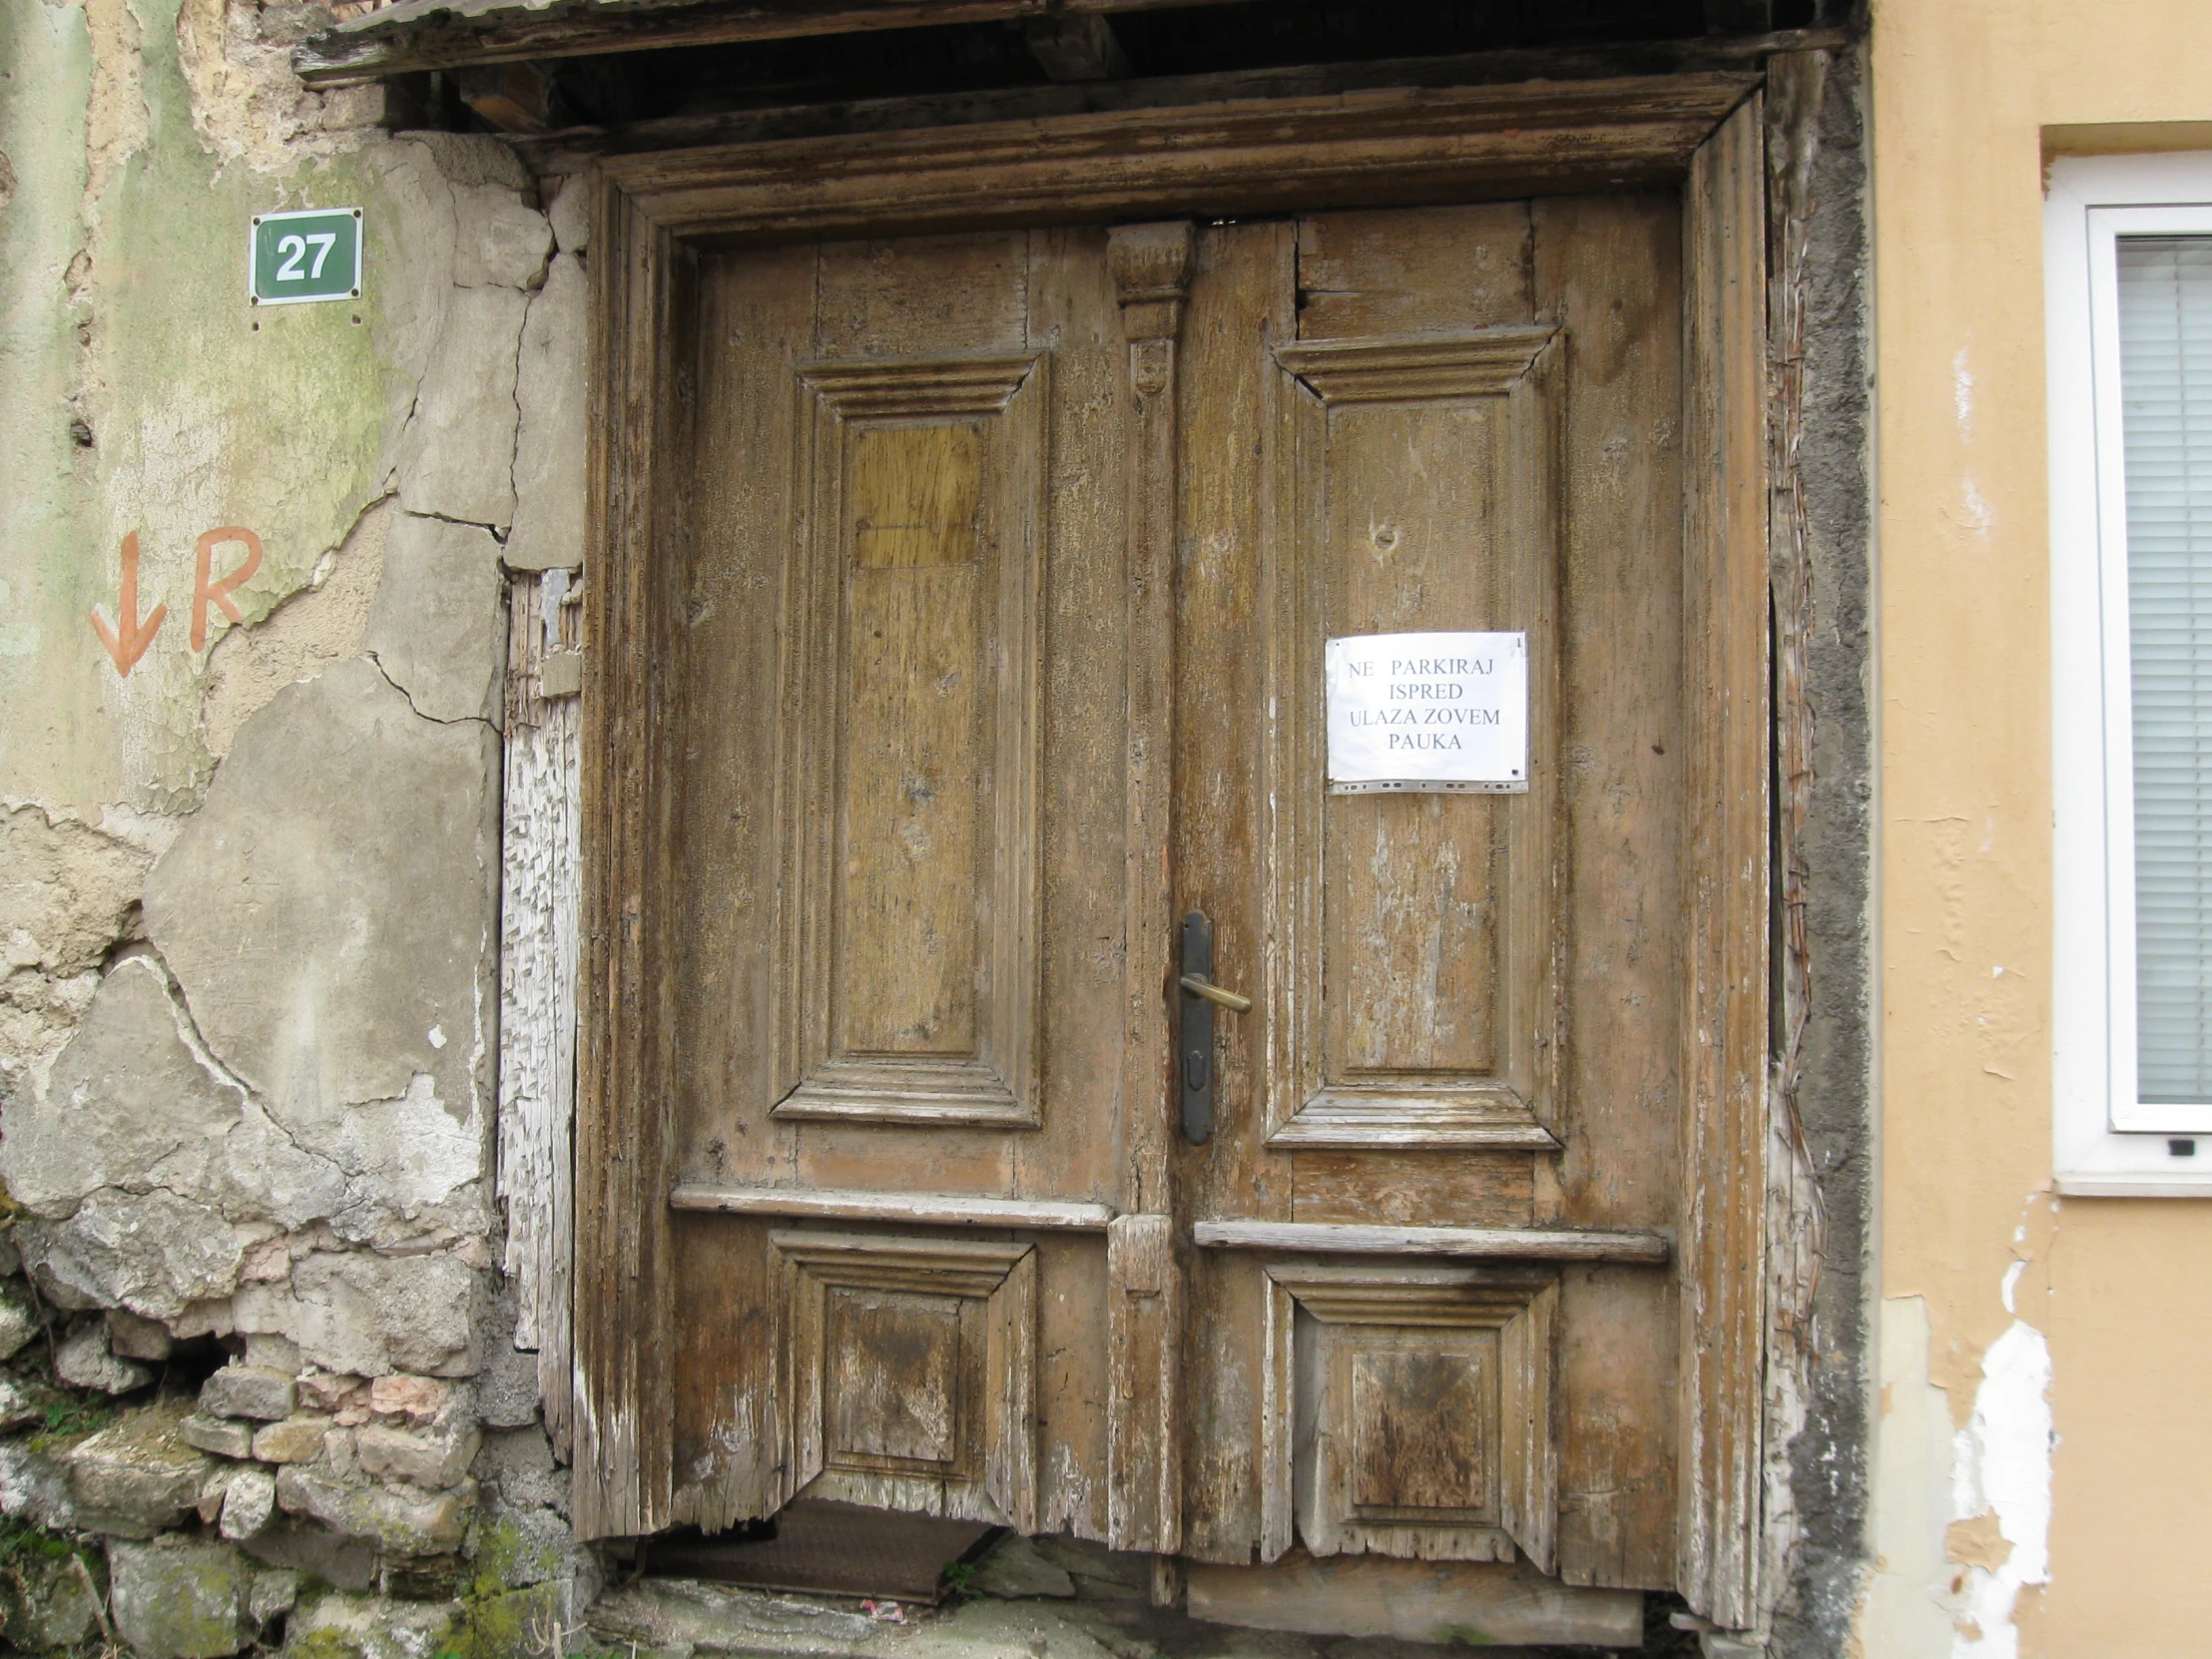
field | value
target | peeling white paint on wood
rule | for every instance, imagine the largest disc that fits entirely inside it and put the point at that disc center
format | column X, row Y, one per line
column 540, row 884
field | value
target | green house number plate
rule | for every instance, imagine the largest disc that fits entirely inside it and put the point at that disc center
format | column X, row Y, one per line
column 314, row 254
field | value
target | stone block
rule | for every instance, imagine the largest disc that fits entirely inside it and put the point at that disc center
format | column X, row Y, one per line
column 16, row 1409
column 1013, row 1570
column 376, row 1313
column 178, row 1598
column 436, row 625
column 514, row 1624
column 507, row 1386
column 570, row 214
column 46, row 1602
column 155, row 1253
column 522, row 1462
column 295, row 1441
column 18, row 1325
column 330, row 1392
column 213, row 1487
column 248, row 1504
column 683, row 1614
column 271, row 1594
column 249, row 1391
column 224, row 1437
column 340, row 1626
column 405, row 1522
column 521, row 1547
column 138, row 1477
column 434, row 1458
column 34, row 1486
column 306, row 1547
column 269, row 1351
column 418, row 1399
column 133, row 1337
column 84, row 1362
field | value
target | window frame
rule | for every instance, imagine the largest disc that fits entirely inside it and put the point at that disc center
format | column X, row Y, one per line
column 2107, row 1143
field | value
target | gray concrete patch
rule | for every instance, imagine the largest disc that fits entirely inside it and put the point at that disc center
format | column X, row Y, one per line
column 456, row 459
column 548, row 528
column 438, row 625
column 326, row 913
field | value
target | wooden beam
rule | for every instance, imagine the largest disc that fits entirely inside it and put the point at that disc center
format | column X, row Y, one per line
column 1514, row 1243
column 1394, row 146
column 445, row 34
column 572, row 149
column 1725, row 1035
column 1076, row 46
column 513, row 97
column 623, row 1319
column 915, row 1209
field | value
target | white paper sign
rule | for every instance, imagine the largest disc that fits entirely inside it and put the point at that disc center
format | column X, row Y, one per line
column 1428, row 712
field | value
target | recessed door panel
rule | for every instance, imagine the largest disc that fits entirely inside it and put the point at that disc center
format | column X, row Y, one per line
column 907, row 984
column 1415, row 989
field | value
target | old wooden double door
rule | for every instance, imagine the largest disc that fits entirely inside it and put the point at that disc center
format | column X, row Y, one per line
column 1010, row 558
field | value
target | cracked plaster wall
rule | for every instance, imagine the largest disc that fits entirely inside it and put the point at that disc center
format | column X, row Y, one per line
column 249, row 891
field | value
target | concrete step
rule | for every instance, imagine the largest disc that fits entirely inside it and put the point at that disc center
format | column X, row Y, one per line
column 1057, row 1598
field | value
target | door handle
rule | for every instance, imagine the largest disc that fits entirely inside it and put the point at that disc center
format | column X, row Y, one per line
column 1195, row 1050
column 1216, row 994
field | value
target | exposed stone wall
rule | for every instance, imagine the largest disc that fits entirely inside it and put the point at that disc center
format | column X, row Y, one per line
column 250, row 881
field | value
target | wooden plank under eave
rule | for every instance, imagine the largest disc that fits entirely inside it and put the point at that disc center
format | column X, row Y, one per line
column 1374, row 148
column 1525, row 1243
column 447, row 34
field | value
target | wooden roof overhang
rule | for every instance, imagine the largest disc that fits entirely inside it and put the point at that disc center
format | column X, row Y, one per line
column 451, row 34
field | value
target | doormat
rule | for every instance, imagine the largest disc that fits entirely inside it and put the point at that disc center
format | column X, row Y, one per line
column 826, row 1548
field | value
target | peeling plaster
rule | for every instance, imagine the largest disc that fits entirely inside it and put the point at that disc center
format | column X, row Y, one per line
column 2001, row 1466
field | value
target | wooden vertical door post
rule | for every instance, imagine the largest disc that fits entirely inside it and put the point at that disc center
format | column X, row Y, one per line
column 1151, row 271
column 1725, row 1041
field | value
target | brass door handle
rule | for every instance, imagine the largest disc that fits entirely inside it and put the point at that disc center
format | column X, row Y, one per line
column 1214, row 993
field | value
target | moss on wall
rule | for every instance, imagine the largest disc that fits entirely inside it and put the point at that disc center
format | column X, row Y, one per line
column 144, row 394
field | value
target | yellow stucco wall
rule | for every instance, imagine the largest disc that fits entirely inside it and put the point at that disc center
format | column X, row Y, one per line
column 1966, row 95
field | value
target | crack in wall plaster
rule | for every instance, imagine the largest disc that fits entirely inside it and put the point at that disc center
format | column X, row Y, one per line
column 458, row 720
column 303, row 634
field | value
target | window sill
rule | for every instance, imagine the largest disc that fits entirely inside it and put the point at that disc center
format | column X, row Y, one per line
column 2111, row 1184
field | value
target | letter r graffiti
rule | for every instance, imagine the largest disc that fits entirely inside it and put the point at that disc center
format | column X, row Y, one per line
column 203, row 589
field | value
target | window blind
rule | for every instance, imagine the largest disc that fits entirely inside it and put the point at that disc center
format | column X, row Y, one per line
column 2165, row 315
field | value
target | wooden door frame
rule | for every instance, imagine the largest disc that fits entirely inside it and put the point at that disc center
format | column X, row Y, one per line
column 653, row 214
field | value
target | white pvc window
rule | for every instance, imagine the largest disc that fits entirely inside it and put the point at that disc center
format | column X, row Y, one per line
column 2128, row 245
column 2163, row 292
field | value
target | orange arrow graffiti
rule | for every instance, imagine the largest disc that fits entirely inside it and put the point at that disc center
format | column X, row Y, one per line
column 128, row 639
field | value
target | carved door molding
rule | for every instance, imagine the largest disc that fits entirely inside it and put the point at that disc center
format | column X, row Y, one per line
column 654, row 215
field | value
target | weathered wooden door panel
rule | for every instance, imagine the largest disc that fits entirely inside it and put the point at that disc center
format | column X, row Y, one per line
column 1467, row 418
column 902, row 856
column 983, row 527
